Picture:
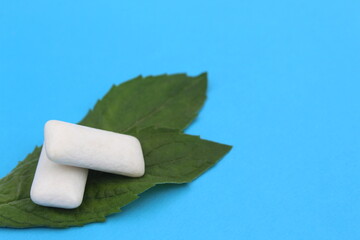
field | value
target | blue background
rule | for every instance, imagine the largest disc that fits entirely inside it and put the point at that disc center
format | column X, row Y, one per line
column 284, row 81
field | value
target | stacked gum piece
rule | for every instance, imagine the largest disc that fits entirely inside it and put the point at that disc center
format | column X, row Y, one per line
column 68, row 152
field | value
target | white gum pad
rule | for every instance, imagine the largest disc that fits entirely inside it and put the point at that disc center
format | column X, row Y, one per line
column 57, row 185
column 96, row 149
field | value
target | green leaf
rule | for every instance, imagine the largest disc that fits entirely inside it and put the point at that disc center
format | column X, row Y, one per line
column 170, row 156
column 170, row 101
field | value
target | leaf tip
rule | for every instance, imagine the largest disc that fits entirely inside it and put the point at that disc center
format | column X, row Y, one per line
column 203, row 74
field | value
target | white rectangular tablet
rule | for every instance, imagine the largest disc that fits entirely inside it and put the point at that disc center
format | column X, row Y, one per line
column 85, row 147
column 57, row 185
